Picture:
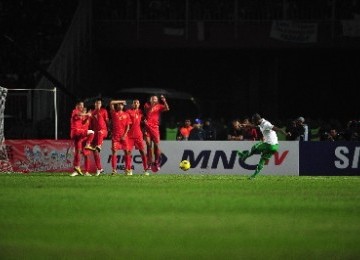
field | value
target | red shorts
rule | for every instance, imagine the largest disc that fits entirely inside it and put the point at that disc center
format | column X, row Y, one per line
column 99, row 137
column 153, row 133
column 78, row 133
column 138, row 143
column 118, row 144
column 79, row 136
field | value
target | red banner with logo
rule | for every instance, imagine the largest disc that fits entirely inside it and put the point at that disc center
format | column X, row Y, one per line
column 40, row 155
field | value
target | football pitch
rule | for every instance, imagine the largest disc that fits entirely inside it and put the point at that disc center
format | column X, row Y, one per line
column 182, row 216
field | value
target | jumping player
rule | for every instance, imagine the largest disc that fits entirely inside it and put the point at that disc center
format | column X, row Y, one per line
column 153, row 110
column 80, row 133
column 87, row 150
column 99, row 122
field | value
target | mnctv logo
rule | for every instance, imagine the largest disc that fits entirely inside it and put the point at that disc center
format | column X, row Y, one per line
column 211, row 159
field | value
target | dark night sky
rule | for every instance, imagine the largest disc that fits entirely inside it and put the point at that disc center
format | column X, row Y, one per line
column 311, row 82
column 314, row 82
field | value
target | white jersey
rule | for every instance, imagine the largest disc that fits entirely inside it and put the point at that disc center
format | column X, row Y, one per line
column 270, row 135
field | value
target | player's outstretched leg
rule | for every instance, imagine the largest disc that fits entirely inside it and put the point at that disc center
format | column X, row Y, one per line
column 265, row 156
column 259, row 167
column 243, row 155
column 255, row 149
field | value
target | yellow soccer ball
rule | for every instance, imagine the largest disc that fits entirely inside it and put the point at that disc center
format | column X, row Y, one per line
column 184, row 165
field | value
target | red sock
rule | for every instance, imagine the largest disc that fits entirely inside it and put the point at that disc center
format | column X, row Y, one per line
column 87, row 163
column 149, row 154
column 76, row 159
column 97, row 161
column 113, row 161
column 127, row 162
column 144, row 161
column 157, row 155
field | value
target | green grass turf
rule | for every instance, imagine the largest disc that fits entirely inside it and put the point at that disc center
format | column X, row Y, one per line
column 54, row 216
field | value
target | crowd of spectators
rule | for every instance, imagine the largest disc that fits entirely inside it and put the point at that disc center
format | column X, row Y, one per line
column 300, row 129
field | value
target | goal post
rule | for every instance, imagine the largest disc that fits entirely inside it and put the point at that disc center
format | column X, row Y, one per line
column 5, row 165
column 29, row 110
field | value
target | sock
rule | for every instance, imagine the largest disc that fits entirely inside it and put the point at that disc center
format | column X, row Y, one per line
column 259, row 167
column 86, row 163
column 113, row 161
column 149, row 154
column 128, row 162
column 144, row 161
column 77, row 158
column 246, row 154
column 97, row 161
column 157, row 155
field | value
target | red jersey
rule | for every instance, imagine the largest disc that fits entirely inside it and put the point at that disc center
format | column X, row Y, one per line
column 120, row 121
column 153, row 113
column 78, row 121
column 185, row 131
column 99, row 119
column 135, row 129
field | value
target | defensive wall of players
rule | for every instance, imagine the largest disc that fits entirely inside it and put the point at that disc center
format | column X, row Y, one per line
column 206, row 157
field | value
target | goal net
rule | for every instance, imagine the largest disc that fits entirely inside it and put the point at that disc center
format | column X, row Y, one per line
column 5, row 165
column 31, row 114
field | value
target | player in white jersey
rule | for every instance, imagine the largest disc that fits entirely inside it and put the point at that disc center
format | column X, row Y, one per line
column 267, row 147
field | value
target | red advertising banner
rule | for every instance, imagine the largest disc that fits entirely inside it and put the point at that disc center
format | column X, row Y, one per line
column 40, row 155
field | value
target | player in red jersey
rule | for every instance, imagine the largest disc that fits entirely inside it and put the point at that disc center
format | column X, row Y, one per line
column 87, row 149
column 80, row 133
column 99, row 122
column 135, row 134
column 86, row 154
column 120, row 121
column 153, row 110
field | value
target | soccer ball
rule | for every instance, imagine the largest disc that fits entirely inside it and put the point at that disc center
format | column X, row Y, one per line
column 184, row 165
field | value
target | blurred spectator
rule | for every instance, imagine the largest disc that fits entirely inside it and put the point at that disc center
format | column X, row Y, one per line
column 197, row 133
column 296, row 131
column 210, row 130
column 221, row 129
column 332, row 135
column 184, row 131
column 352, row 131
column 235, row 132
column 249, row 133
column 301, row 123
column 171, row 129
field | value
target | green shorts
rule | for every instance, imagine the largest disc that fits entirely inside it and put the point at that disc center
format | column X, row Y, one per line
column 266, row 150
